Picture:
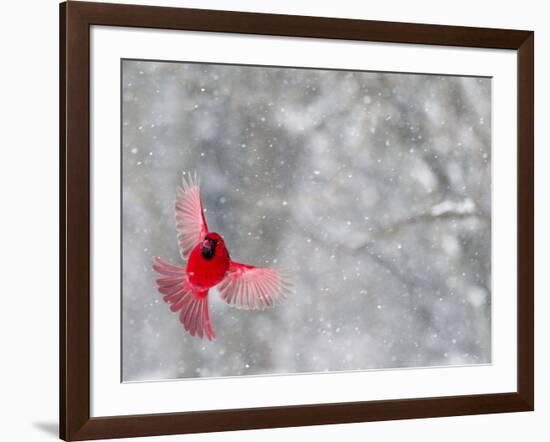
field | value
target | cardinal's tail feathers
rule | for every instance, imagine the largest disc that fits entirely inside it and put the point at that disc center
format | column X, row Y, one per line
column 195, row 316
column 192, row 305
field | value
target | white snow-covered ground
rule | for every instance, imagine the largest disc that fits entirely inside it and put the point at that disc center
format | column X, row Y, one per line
column 373, row 188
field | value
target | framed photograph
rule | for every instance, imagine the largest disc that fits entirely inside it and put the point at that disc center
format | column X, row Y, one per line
column 272, row 221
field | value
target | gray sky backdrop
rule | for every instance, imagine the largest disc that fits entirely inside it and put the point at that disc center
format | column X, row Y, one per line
column 374, row 188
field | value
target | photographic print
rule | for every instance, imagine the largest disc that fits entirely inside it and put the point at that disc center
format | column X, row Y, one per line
column 285, row 220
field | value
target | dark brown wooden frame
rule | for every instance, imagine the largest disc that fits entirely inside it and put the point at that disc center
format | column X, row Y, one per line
column 75, row 21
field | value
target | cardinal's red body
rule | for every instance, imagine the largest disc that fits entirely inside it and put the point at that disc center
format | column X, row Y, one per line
column 206, row 273
column 208, row 265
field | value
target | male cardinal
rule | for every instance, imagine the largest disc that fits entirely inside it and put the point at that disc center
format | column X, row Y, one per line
column 207, row 264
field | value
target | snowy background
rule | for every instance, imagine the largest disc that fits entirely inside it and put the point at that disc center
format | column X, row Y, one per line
column 374, row 188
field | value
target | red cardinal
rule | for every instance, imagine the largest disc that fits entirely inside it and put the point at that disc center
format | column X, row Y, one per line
column 207, row 264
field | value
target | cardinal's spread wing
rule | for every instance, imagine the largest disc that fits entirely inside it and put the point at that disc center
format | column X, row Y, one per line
column 190, row 221
column 253, row 288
